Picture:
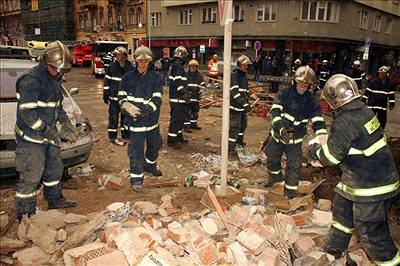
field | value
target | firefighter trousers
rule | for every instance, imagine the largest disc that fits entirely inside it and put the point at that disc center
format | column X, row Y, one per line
column 382, row 116
column 140, row 160
column 369, row 220
column 274, row 151
column 114, row 116
column 237, row 127
column 193, row 114
column 36, row 162
column 178, row 114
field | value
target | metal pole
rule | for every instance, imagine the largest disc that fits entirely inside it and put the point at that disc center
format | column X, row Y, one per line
column 148, row 22
column 225, row 105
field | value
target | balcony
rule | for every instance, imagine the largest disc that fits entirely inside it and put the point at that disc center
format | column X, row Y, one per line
column 116, row 27
column 115, row 2
column 92, row 28
column 90, row 3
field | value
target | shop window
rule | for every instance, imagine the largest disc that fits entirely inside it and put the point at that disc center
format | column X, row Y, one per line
column 377, row 23
column 388, row 26
column 266, row 12
column 156, row 19
column 185, row 17
column 209, row 15
column 322, row 11
column 363, row 24
column 238, row 14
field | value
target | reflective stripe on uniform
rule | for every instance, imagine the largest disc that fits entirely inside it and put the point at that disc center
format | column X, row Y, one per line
column 371, row 150
column 276, row 106
column 381, row 92
column 292, row 141
column 276, row 119
column 232, row 140
column 157, row 94
column 237, row 95
column 377, row 107
column 112, row 130
column 321, row 131
column 241, row 134
column 236, row 109
column 317, row 119
column 51, row 184
column 179, row 88
column 20, row 133
column 141, row 129
column 292, row 119
column 327, row 154
column 112, row 78
column 122, row 93
column 136, row 175
column 392, row 101
column 393, row 262
column 172, row 134
column 177, row 101
column 194, row 100
column 234, row 87
column 18, row 96
column 24, row 196
column 290, row 187
column 368, row 192
column 193, row 85
column 31, row 105
column 106, row 88
column 193, row 121
column 177, row 77
column 48, row 104
column 342, row 228
column 150, row 161
column 274, row 172
column 152, row 105
column 113, row 98
column 37, row 124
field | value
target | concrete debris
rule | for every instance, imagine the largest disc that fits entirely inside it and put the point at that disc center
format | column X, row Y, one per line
column 252, row 241
column 321, row 218
column 110, row 181
column 115, row 206
column 9, row 243
column 61, row 235
column 145, row 207
column 43, row 236
column 324, row 204
column 72, row 218
column 209, row 226
column 23, row 228
column 52, row 218
column 31, row 257
column 305, row 245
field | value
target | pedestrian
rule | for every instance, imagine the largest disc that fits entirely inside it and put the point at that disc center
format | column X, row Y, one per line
column 212, row 70
column 274, row 85
column 369, row 178
column 112, row 80
column 140, row 97
column 290, row 113
column 38, row 152
column 267, row 65
column 196, row 86
column 165, row 68
column 257, row 64
column 356, row 73
column 323, row 73
column 380, row 93
column 179, row 99
column 239, row 104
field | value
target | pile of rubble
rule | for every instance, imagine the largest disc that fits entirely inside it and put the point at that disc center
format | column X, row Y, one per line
column 144, row 233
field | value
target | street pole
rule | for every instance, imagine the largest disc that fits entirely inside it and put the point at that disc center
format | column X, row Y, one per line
column 148, row 22
column 225, row 105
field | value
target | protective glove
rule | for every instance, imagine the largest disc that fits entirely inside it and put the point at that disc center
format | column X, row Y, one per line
column 106, row 100
column 247, row 108
column 312, row 157
column 130, row 109
column 69, row 132
column 284, row 135
column 186, row 97
column 52, row 135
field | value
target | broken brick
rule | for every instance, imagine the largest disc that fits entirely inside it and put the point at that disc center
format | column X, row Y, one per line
column 301, row 218
column 116, row 258
column 207, row 253
column 324, row 204
column 238, row 253
column 209, row 226
column 305, row 245
column 174, row 248
column 112, row 230
column 31, row 256
column 72, row 218
column 321, row 218
column 177, row 233
column 79, row 255
column 165, row 221
column 252, row 241
column 145, row 207
column 111, row 182
column 269, row 257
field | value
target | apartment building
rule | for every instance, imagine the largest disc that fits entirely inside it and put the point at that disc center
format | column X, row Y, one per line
column 111, row 20
column 288, row 29
column 11, row 32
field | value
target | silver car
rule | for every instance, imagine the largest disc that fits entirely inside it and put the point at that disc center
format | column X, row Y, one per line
column 71, row 154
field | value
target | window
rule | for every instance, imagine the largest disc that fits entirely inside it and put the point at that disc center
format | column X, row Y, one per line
column 388, row 26
column 185, row 17
column 131, row 16
column 319, row 11
column 238, row 14
column 377, row 23
column 139, row 15
column 363, row 24
column 156, row 19
column 209, row 15
column 266, row 12
column 85, row 21
column 80, row 21
column 110, row 16
column 101, row 18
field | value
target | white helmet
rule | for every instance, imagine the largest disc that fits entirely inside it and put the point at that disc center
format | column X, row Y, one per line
column 143, row 52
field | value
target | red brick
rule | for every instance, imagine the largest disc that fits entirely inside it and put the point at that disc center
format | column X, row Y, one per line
column 177, row 233
column 112, row 230
column 252, row 241
column 79, row 255
column 208, row 254
column 115, row 258
column 165, row 221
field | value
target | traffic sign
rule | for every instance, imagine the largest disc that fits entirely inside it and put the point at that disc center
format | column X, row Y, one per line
column 257, row 45
column 202, row 49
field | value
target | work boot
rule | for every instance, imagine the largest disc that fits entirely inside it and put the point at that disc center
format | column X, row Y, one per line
column 154, row 171
column 117, row 142
column 290, row 193
column 137, row 188
column 270, row 182
column 240, row 141
column 187, row 129
column 195, row 126
column 64, row 203
column 181, row 139
column 174, row 145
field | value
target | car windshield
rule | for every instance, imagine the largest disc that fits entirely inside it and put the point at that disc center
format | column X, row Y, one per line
column 8, row 78
column 37, row 52
column 103, row 48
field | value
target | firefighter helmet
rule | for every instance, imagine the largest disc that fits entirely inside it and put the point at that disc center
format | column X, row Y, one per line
column 383, row 69
column 324, row 61
column 305, row 74
column 57, row 55
column 180, row 52
column 297, row 61
column 143, row 52
column 339, row 90
column 215, row 56
column 120, row 50
column 193, row 62
column 357, row 63
column 243, row 60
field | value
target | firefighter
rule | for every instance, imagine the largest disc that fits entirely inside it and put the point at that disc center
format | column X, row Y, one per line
column 112, row 80
column 324, row 73
column 140, row 97
column 356, row 73
column 196, row 86
column 290, row 113
column 239, row 104
column 297, row 64
column 38, row 151
column 179, row 98
column 212, row 71
column 369, row 179
column 379, row 93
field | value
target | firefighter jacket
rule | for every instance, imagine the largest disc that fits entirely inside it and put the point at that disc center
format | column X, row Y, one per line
column 112, row 79
column 357, row 142
column 178, row 85
column 145, row 92
column 324, row 73
column 379, row 93
column 212, row 68
column 357, row 75
column 196, row 85
column 40, row 99
column 292, row 111
column 239, row 91
column 164, row 64
column 108, row 59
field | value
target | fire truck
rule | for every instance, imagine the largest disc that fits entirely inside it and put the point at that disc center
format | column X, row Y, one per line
column 82, row 55
column 102, row 55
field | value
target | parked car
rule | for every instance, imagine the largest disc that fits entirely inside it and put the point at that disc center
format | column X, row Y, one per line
column 71, row 154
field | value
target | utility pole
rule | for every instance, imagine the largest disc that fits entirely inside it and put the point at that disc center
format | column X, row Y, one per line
column 148, row 21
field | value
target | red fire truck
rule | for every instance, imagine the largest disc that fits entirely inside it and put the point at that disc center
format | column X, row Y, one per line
column 82, row 55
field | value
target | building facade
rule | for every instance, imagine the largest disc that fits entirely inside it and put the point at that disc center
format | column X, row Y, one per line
column 123, row 20
column 310, row 30
column 11, row 32
column 47, row 20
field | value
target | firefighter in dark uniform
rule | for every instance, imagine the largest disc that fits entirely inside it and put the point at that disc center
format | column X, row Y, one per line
column 112, row 81
column 356, row 73
column 140, row 97
column 179, row 98
column 297, row 64
column 38, row 152
column 369, row 179
column 378, row 94
column 290, row 113
column 324, row 73
column 196, row 86
column 239, row 104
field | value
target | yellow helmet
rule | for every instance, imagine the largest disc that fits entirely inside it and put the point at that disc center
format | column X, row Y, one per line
column 143, row 52
column 193, row 62
column 339, row 90
column 57, row 55
column 305, row 74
